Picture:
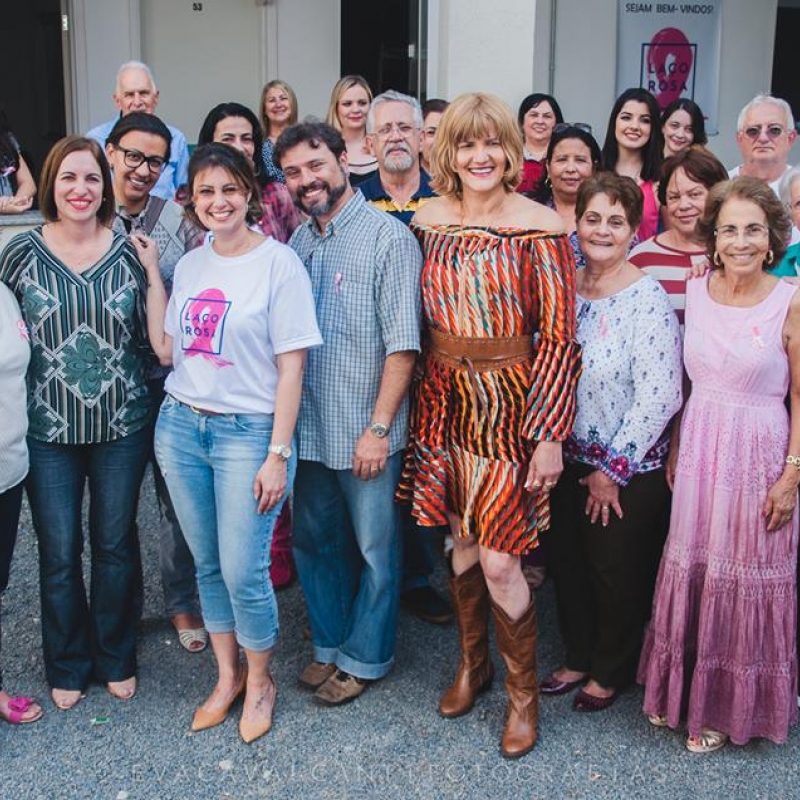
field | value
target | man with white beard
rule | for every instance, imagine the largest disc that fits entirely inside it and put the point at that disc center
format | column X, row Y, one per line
column 394, row 131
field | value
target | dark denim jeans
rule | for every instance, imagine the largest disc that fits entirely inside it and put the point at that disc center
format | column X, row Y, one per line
column 10, row 504
column 95, row 638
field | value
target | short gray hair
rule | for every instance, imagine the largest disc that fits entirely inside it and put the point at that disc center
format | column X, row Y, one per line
column 391, row 96
column 138, row 65
column 766, row 99
column 787, row 181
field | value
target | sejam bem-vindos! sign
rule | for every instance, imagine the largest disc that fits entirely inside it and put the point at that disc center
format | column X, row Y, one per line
column 672, row 50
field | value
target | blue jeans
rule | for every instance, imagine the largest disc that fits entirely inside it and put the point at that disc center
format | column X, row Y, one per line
column 99, row 637
column 209, row 464
column 347, row 552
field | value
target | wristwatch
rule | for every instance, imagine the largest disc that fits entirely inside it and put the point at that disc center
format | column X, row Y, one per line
column 379, row 429
column 284, row 451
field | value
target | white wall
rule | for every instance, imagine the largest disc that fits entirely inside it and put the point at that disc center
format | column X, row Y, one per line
column 104, row 34
column 202, row 58
column 308, row 43
column 484, row 46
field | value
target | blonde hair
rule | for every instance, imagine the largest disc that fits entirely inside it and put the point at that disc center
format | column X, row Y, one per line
column 340, row 87
column 262, row 114
column 471, row 116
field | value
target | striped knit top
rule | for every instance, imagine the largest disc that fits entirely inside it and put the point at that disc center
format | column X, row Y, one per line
column 86, row 380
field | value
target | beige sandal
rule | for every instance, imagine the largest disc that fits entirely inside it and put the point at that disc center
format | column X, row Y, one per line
column 707, row 742
column 659, row 720
column 193, row 640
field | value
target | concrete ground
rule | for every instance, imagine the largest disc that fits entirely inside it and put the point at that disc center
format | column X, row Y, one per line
column 388, row 744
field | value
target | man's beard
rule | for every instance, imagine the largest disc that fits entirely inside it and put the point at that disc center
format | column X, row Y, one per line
column 321, row 207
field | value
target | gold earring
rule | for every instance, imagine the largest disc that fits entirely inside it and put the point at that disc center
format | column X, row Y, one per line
column 717, row 260
column 770, row 258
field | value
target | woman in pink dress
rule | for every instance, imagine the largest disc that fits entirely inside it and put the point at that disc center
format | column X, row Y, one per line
column 720, row 649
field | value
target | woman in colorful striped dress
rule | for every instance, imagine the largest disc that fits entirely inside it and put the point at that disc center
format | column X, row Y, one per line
column 496, row 397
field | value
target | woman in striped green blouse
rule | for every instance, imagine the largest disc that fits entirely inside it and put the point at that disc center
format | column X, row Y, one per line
column 81, row 289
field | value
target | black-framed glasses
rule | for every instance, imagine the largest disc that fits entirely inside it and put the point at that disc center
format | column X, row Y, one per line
column 565, row 126
column 773, row 131
column 135, row 159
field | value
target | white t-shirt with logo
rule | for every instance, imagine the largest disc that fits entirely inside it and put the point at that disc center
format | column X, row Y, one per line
column 229, row 318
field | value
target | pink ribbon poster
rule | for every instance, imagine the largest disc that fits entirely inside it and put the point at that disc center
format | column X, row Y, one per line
column 672, row 50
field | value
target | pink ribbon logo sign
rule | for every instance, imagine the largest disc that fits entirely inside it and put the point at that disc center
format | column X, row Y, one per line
column 669, row 65
column 203, row 326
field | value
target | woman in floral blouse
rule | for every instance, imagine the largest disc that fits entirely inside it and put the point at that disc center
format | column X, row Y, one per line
column 81, row 289
column 611, row 506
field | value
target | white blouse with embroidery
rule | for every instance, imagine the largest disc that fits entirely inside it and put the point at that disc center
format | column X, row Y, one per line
column 630, row 387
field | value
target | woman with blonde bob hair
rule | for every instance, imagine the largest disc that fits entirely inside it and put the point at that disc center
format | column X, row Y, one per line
column 347, row 112
column 497, row 394
column 277, row 110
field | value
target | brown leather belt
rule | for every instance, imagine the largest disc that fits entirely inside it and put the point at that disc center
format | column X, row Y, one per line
column 479, row 354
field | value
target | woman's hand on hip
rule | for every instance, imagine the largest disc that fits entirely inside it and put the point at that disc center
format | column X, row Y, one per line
column 270, row 483
column 603, row 497
column 545, row 468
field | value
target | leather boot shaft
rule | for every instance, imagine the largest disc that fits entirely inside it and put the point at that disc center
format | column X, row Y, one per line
column 516, row 641
column 475, row 671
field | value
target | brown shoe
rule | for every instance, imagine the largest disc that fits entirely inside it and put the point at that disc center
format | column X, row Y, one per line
column 516, row 641
column 315, row 674
column 340, row 688
column 475, row 672
column 204, row 719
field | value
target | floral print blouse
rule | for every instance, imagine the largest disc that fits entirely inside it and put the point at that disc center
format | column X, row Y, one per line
column 630, row 387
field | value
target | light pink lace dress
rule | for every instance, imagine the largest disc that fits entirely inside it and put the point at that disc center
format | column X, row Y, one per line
column 720, row 648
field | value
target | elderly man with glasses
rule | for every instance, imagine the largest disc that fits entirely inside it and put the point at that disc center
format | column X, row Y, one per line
column 765, row 134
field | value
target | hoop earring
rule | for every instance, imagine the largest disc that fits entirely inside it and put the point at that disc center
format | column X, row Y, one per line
column 770, row 258
column 717, row 260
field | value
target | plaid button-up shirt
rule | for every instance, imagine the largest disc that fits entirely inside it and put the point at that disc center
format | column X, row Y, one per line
column 365, row 272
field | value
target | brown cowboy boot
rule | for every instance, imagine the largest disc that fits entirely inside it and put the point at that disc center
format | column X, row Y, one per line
column 475, row 671
column 516, row 641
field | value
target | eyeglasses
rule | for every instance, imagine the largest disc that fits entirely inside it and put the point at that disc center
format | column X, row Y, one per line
column 565, row 126
column 403, row 128
column 752, row 232
column 134, row 159
column 773, row 131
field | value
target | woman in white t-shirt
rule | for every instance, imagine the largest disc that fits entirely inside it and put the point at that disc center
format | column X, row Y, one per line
column 236, row 329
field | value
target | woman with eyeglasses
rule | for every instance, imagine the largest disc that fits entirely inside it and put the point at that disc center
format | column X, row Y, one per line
column 573, row 155
column 610, row 508
column 81, row 288
column 633, row 147
column 675, row 254
column 719, row 654
column 538, row 116
column 682, row 125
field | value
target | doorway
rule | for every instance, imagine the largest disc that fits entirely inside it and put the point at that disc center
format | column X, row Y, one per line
column 33, row 77
column 784, row 59
column 386, row 42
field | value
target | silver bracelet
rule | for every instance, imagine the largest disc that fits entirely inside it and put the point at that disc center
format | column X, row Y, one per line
column 794, row 461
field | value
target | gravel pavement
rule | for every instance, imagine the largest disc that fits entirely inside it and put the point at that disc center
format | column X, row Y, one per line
column 389, row 744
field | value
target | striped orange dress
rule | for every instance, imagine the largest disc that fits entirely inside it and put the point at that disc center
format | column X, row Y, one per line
column 472, row 433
